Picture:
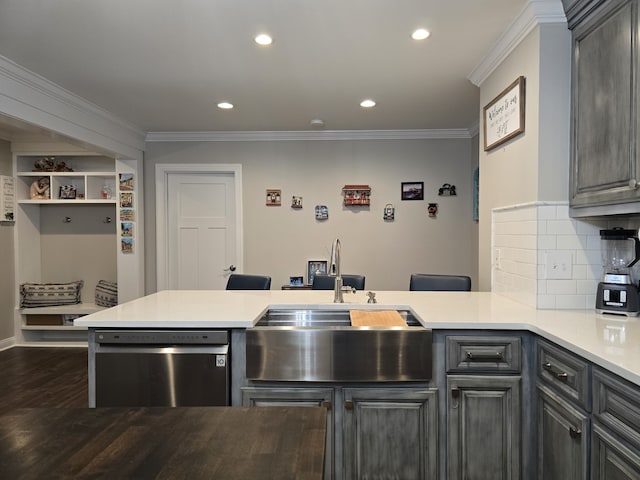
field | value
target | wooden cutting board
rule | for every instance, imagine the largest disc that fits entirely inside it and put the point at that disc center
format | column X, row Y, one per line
column 378, row 318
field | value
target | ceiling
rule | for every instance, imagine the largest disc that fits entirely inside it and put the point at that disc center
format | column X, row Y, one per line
column 163, row 65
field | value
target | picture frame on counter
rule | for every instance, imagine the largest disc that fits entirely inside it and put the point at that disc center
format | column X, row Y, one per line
column 503, row 117
column 315, row 267
column 412, row 191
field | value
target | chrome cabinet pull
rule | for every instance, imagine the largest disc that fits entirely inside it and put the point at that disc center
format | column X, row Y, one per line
column 455, row 395
column 488, row 357
column 564, row 376
column 575, row 432
column 232, row 268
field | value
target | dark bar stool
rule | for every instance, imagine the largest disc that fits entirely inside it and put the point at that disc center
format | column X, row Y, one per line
column 240, row 281
column 439, row 283
column 328, row 282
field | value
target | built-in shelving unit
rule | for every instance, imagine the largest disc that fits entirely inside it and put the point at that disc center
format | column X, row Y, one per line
column 60, row 240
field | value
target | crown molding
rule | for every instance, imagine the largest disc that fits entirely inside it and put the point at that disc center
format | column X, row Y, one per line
column 33, row 99
column 263, row 136
column 536, row 12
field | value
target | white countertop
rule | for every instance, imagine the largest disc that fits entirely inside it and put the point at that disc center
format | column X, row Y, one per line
column 610, row 341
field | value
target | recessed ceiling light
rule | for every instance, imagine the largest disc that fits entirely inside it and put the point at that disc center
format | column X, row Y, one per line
column 225, row 105
column 367, row 103
column 263, row 39
column 420, row 34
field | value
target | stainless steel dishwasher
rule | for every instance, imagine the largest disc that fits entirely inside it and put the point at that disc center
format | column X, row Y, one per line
column 162, row 368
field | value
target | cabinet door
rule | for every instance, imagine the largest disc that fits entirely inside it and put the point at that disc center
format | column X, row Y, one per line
column 563, row 438
column 301, row 397
column 604, row 103
column 611, row 459
column 390, row 433
column 484, row 425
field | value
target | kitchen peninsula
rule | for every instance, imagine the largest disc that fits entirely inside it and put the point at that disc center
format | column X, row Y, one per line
column 612, row 342
column 545, row 391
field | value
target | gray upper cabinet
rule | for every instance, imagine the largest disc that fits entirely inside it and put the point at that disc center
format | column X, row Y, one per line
column 605, row 170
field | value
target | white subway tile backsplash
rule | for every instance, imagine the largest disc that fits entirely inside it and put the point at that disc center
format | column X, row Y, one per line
column 525, row 234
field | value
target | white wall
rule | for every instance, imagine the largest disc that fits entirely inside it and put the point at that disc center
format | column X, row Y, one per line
column 7, row 287
column 279, row 240
column 534, row 165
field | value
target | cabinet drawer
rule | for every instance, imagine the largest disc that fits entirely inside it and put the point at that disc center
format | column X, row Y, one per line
column 565, row 372
column 616, row 405
column 483, row 354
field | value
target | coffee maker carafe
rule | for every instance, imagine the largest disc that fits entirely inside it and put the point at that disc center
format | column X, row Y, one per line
column 618, row 290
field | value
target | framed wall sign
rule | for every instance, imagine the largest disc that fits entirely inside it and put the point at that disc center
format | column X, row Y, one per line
column 503, row 117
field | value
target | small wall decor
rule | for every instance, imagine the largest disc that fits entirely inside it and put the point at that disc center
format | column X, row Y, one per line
column 432, row 209
column 126, row 244
column 126, row 229
column 126, row 182
column 503, row 117
column 315, row 267
column 296, row 202
column 322, row 212
column 126, row 200
column 447, row 189
column 389, row 212
column 7, row 199
column 356, row 195
column 39, row 189
column 412, row 191
column 274, row 198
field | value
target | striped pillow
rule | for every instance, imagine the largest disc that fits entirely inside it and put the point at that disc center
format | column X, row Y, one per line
column 106, row 293
column 49, row 294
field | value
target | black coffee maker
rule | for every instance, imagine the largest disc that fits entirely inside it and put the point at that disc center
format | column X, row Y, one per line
column 618, row 291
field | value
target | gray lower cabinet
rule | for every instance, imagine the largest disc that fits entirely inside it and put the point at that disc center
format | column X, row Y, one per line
column 484, row 434
column 390, row 433
column 615, row 453
column 563, row 438
column 375, row 432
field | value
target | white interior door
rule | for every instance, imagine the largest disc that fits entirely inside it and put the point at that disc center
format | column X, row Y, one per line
column 201, row 234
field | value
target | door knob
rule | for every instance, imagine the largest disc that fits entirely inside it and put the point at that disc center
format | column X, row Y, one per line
column 232, row 268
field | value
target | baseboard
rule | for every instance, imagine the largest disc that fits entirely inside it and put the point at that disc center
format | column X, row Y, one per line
column 7, row 343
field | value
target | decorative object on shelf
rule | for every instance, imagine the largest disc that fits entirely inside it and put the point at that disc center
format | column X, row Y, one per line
column 296, row 281
column 432, row 209
column 126, row 182
column 389, row 212
column 315, row 267
column 503, row 117
column 39, row 189
column 106, row 293
column 7, row 199
column 67, row 192
column 274, row 198
column 322, row 212
column 50, row 164
column 447, row 189
column 296, row 202
column 356, row 195
column 412, row 191
column 50, row 294
column 106, row 193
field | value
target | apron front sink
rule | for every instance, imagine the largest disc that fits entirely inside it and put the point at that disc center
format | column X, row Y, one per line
column 321, row 345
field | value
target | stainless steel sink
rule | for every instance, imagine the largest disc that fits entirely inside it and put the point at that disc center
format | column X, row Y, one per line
column 320, row 345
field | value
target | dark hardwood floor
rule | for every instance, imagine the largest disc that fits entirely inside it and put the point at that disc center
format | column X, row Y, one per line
column 43, row 377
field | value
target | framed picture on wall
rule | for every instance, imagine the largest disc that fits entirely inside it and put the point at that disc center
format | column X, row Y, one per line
column 315, row 267
column 503, row 116
column 412, row 191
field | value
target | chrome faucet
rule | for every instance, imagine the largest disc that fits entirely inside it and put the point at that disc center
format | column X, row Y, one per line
column 334, row 270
